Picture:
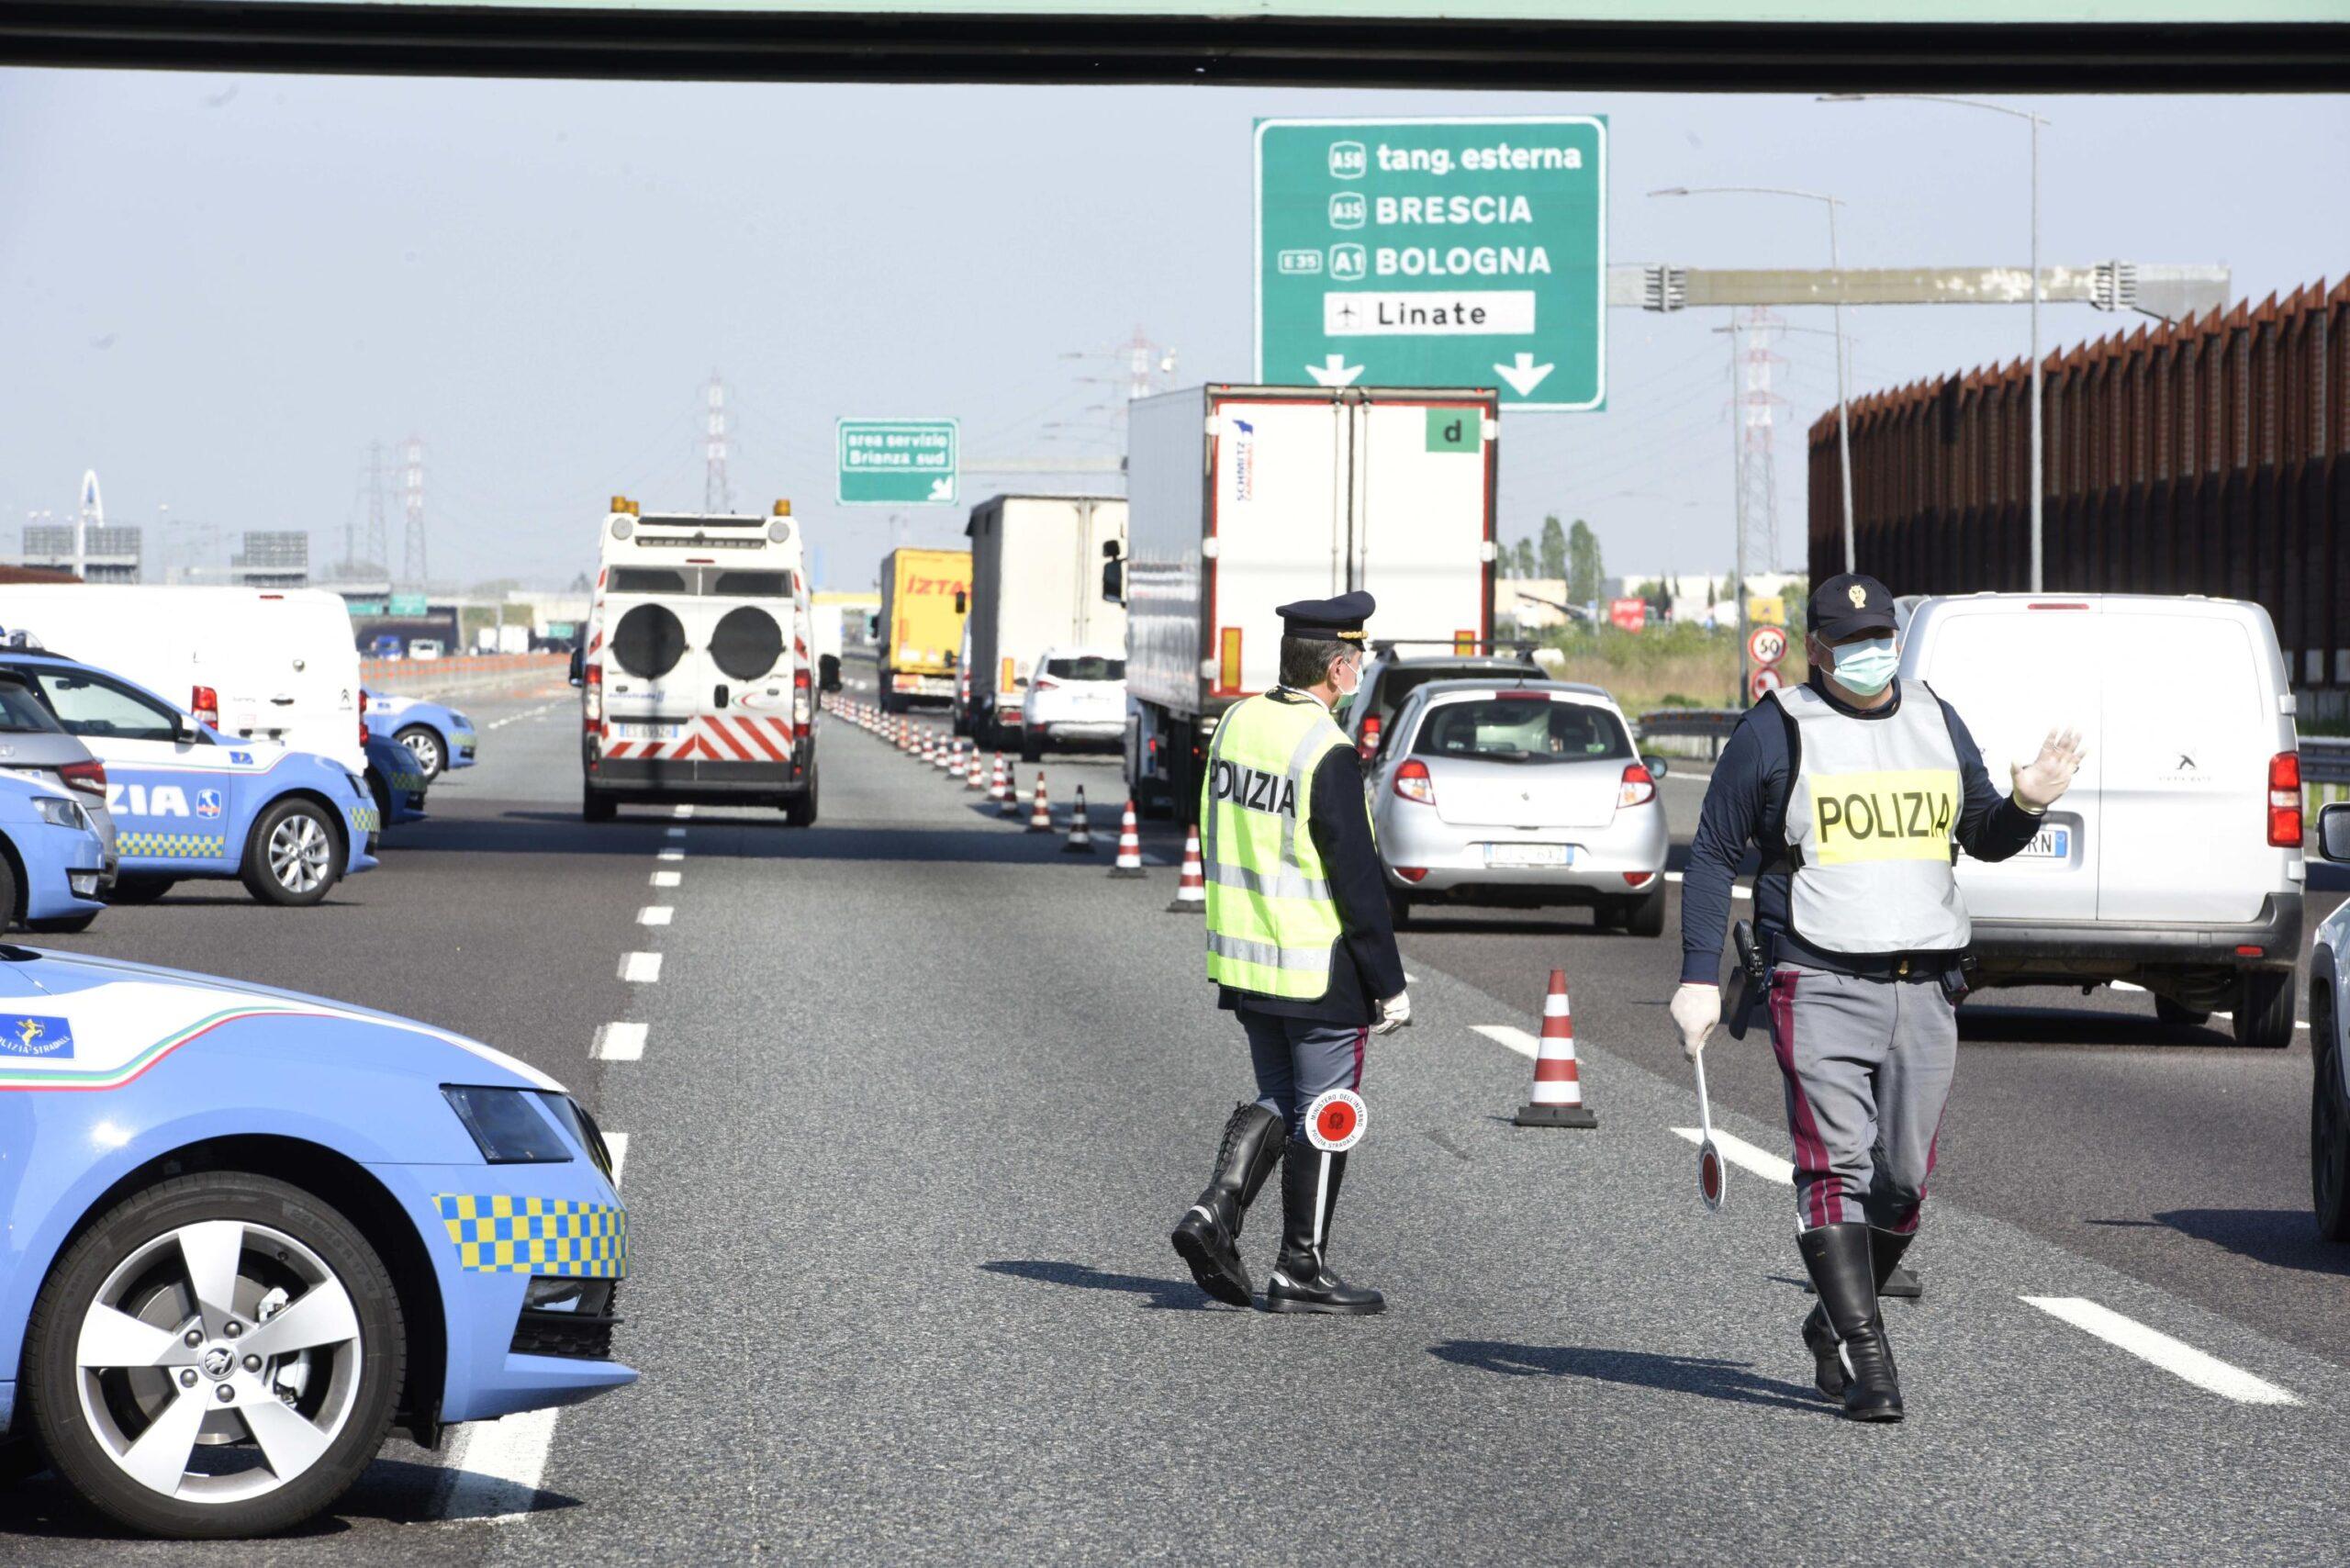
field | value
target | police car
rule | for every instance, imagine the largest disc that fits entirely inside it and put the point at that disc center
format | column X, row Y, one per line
column 394, row 780
column 266, row 1229
column 2330, row 1044
column 439, row 736
column 50, row 860
column 190, row 801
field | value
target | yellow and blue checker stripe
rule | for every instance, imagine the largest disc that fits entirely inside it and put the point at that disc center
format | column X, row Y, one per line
column 363, row 820
column 173, row 844
column 499, row 1234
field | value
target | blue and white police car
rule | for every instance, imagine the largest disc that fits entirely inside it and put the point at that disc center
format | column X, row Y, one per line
column 441, row 737
column 251, row 1231
column 50, row 858
column 394, row 780
column 190, row 801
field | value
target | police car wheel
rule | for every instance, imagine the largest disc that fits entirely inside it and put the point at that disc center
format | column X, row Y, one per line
column 216, row 1356
column 425, row 747
column 290, row 859
column 2329, row 1120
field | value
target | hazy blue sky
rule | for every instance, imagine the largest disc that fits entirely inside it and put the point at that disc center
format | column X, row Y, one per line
column 216, row 291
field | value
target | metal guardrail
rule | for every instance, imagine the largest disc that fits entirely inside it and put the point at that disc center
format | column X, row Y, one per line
column 1711, row 725
column 2325, row 759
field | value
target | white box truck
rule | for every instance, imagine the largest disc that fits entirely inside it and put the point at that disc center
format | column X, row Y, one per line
column 1244, row 497
column 1036, row 582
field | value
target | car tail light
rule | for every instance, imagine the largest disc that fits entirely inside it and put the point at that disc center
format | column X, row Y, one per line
column 1637, row 788
column 204, row 703
column 591, row 692
column 1368, row 744
column 362, row 715
column 2247, row 950
column 800, row 686
column 2285, row 799
column 90, row 777
column 1411, row 873
column 1413, row 783
column 1043, row 683
column 1638, row 878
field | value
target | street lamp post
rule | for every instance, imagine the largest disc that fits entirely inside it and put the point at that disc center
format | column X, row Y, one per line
column 2039, row 429
column 1843, row 404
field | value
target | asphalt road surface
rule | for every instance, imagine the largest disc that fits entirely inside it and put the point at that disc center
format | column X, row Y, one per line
column 919, row 1094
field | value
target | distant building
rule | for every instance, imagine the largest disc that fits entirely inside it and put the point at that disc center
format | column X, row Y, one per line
column 113, row 550
column 273, row 558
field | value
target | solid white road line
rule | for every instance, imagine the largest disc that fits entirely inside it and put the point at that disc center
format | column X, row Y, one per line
column 654, row 914
column 2174, row 1356
column 644, row 969
column 667, row 879
column 670, row 855
column 1740, row 1152
column 495, row 1475
column 682, row 812
column 617, row 1144
column 1518, row 1040
column 619, row 1042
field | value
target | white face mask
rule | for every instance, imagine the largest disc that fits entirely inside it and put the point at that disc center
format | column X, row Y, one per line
column 1353, row 668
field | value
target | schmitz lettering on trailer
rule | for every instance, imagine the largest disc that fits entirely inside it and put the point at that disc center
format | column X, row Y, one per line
column 1253, row 789
column 1901, row 816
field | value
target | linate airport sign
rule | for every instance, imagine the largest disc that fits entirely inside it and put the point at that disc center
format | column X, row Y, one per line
column 1436, row 253
column 898, row 463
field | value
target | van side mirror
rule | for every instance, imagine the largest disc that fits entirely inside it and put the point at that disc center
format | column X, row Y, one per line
column 1654, row 763
column 1114, row 582
column 828, row 672
column 1110, row 550
column 2334, row 831
column 578, row 658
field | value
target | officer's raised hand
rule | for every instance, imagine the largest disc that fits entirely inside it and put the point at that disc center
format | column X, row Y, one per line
column 2042, row 782
column 1696, row 1008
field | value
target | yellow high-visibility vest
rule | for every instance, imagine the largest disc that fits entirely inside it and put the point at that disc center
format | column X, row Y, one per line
column 1271, row 922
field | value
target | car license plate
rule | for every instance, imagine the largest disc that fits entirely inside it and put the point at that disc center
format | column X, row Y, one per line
column 1529, row 855
column 2048, row 844
column 648, row 731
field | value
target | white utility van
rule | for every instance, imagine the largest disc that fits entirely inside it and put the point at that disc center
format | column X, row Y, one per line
column 265, row 663
column 2175, row 860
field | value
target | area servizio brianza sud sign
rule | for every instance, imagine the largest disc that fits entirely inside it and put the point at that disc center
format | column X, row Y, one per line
column 1436, row 253
column 891, row 462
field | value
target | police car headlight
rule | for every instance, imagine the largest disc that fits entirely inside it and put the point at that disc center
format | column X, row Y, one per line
column 59, row 814
column 507, row 1125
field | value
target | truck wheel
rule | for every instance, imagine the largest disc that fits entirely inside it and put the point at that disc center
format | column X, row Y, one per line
column 891, row 701
column 140, row 889
column 800, row 811
column 424, row 744
column 595, row 806
column 2329, row 1121
column 2178, row 1012
column 2265, row 1000
column 290, row 858
column 218, row 1356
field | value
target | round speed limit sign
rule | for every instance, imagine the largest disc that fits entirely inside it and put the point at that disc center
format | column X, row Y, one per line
column 1767, row 644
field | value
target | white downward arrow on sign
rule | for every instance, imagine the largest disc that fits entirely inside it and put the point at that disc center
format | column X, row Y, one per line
column 1334, row 371
column 942, row 488
column 1525, row 375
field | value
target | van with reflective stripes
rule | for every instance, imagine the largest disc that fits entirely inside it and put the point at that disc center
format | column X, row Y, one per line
column 697, row 683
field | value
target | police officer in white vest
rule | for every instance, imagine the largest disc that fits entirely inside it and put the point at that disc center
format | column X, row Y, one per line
column 1301, row 947
column 1860, row 789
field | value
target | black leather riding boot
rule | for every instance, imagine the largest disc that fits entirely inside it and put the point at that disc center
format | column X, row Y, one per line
column 1302, row 1280
column 1208, row 1236
column 1885, row 1247
column 1838, row 1258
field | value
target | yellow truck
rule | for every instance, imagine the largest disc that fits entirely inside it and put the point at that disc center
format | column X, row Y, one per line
column 924, row 596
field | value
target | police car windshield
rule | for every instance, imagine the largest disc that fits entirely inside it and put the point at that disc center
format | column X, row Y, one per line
column 1522, row 729
column 710, row 582
column 88, row 707
column 21, row 712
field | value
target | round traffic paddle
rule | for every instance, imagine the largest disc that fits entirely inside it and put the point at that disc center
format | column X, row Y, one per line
column 1711, row 1177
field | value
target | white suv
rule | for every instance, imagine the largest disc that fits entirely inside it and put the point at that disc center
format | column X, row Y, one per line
column 2175, row 860
column 1077, row 696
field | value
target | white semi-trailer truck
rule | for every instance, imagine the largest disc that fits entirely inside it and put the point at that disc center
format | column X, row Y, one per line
column 1036, row 582
column 1244, row 497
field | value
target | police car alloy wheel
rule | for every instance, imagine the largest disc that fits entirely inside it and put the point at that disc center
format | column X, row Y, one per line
column 291, row 858
column 2329, row 1120
column 218, row 1356
column 425, row 747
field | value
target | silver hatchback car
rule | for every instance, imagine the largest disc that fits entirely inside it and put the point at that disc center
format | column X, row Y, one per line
column 1523, row 794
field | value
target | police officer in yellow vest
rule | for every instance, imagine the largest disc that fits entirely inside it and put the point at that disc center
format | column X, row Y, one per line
column 1301, row 944
column 1860, row 787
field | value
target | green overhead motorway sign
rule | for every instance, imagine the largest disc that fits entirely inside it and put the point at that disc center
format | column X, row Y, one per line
column 1436, row 253
column 897, row 462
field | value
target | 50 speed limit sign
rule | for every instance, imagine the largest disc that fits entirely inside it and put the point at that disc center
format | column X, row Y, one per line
column 1767, row 644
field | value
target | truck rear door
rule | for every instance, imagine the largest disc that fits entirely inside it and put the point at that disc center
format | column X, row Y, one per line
column 1278, row 522
column 1423, row 477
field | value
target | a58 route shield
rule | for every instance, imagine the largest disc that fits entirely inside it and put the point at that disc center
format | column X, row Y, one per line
column 1436, row 253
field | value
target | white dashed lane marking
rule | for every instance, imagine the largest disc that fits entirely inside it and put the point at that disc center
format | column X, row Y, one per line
column 642, row 968
column 617, row 1145
column 666, row 879
column 1740, row 1153
column 1518, row 1040
column 619, row 1042
column 2174, row 1356
column 672, row 832
column 670, row 855
column 654, row 914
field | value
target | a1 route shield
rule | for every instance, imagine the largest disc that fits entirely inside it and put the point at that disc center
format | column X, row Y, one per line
column 1435, row 253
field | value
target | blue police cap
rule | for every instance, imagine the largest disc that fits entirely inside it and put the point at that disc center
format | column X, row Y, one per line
column 1335, row 619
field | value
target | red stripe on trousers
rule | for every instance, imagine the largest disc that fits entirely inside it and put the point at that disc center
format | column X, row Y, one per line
column 1826, row 1199
column 1361, row 1035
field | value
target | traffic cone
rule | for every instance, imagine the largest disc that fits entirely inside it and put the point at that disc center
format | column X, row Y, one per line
column 1007, row 804
column 1080, row 833
column 1558, row 1089
column 1129, row 845
column 974, row 777
column 947, row 752
column 1192, row 891
column 957, row 763
column 1040, row 816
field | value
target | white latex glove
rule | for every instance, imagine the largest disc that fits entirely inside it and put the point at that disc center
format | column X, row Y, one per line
column 2042, row 782
column 1696, row 1008
column 1393, row 1013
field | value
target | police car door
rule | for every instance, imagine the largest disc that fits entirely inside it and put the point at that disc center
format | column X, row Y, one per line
column 166, row 781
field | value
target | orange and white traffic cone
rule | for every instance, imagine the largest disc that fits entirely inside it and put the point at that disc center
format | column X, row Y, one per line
column 975, row 777
column 1557, row 1087
column 949, row 750
column 1080, row 833
column 1192, row 891
column 960, row 763
column 1129, row 845
column 1009, row 802
column 999, row 786
column 1040, row 816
